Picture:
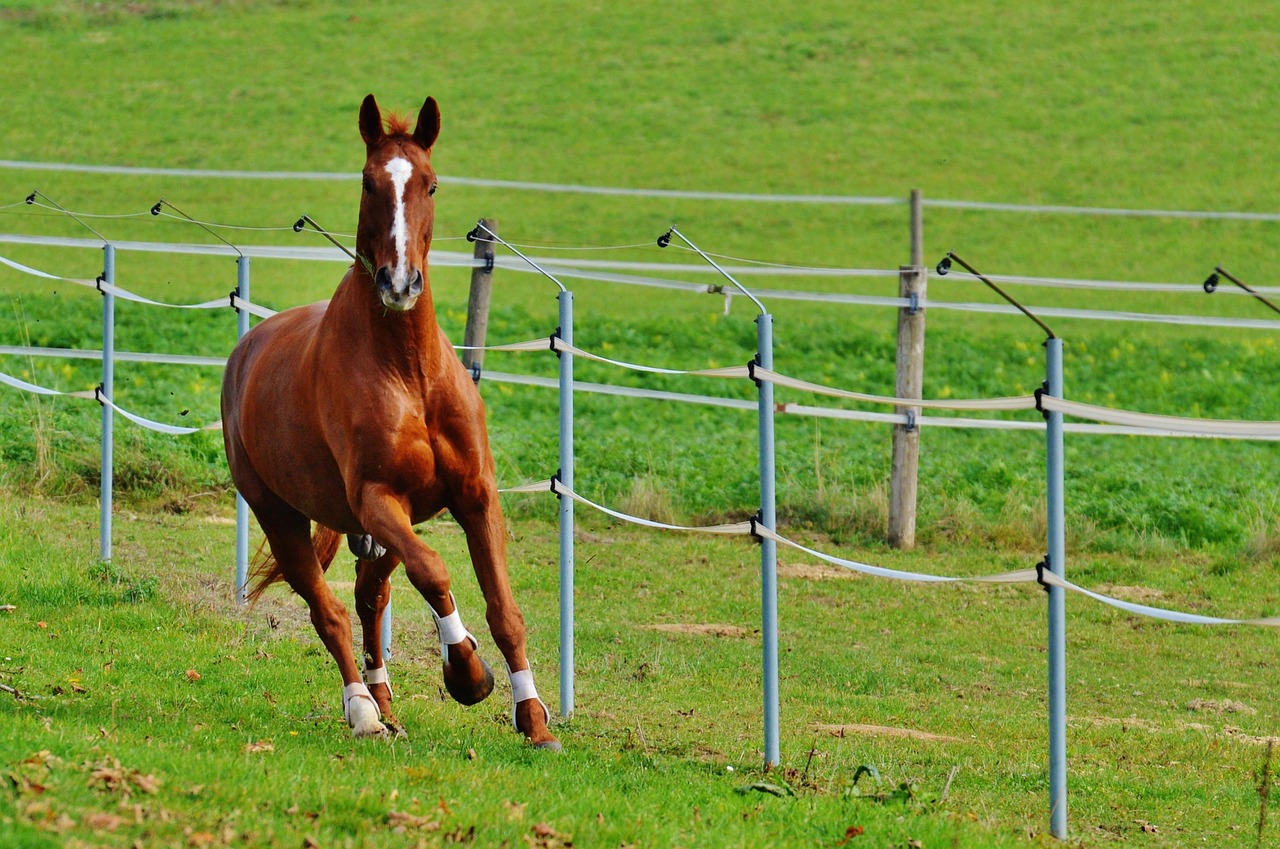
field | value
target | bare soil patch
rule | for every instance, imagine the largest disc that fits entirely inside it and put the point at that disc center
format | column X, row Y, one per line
column 883, row 731
column 706, row 630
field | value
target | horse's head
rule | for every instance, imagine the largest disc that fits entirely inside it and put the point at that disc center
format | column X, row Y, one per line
column 396, row 208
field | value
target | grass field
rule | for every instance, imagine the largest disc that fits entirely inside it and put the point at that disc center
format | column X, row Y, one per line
column 1090, row 104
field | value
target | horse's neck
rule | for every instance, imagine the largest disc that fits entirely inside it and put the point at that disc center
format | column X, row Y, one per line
column 407, row 342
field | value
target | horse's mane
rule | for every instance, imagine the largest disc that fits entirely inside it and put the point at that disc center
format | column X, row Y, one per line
column 397, row 124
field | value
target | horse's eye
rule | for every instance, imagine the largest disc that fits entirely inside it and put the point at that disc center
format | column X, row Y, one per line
column 368, row 186
column 432, row 190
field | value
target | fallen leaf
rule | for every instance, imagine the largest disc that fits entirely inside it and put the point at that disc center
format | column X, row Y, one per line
column 766, row 787
column 850, row 833
column 401, row 822
column 260, row 746
column 102, row 821
column 43, row 758
column 200, row 838
column 915, row 844
column 146, row 783
column 546, row 837
column 309, row 842
column 515, row 810
column 42, row 624
column 192, row 675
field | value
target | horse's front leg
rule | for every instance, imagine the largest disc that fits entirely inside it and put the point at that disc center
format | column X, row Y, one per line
column 373, row 593
column 384, row 515
column 481, row 518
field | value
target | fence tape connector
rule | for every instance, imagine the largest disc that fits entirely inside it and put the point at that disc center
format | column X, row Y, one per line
column 1039, row 396
column 1041, row 568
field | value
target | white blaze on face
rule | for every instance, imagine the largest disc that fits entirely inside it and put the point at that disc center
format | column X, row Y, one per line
column 400, row 170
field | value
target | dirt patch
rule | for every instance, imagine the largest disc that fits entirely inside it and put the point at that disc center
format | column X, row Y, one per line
column 1223, row 706
column 705, row 630
column 1134, row 723
column 813, row 571
column 883, row 731
column 1125, row 593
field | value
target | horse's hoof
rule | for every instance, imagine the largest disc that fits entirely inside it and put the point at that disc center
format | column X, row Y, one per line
column 370, row 729
column 531, row 717
column 468, row 690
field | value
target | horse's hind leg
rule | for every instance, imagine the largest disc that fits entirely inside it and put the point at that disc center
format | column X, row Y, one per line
column 373, row 592
column 481, row 518
column 289, row 535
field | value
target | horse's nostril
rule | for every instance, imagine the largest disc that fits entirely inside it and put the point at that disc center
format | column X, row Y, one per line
column 382, row 279
column 415, row 288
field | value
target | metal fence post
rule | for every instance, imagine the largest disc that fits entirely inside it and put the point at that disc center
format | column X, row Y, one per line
column 242, row 506
column 1057, row 609
column 566, row 506
column 768, row 548
column 108, row 393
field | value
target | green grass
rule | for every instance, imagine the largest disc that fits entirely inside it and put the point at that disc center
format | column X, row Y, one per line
column 1089, row 104
column 101, row 658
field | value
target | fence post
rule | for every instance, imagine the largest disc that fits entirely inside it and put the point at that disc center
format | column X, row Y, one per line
column 566, row 505
column 108, row 394
column 912, row 284
column 768, row 548
column 478, row 303
column 1055, row 497
column 242, row 506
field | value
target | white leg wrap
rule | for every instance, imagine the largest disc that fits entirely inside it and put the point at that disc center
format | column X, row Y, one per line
column 379, row 676
column 451, row 630
column 361, row 711
column 522, row 688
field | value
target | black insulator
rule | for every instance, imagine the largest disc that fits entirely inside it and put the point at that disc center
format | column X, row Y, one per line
column 1211, row 283
column 474, row 234
column 299, row 224
column 31, row 198
column 155, row 210
column 944, row 266
column 664, row 239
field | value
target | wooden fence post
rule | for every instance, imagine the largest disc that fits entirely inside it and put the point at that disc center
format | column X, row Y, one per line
column 478, row 303
column 912, row 283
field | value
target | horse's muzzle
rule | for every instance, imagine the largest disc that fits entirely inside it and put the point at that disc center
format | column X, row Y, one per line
column 400, row 297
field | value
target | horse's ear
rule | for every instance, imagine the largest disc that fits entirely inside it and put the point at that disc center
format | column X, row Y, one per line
column 370, row 121
column 428, row 124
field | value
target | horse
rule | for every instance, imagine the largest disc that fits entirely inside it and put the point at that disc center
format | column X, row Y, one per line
column 356, row 414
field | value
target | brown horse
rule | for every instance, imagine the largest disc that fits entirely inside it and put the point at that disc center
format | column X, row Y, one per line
column 357, row 414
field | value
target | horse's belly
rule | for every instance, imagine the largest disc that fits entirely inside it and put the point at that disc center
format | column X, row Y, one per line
column 273, row 421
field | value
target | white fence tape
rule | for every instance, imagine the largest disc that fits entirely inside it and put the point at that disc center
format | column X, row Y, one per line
column 563, row 268
column 563, row 188
column 1120, row 422
column 150, row 424
column 18, row 383
column 1018, row 576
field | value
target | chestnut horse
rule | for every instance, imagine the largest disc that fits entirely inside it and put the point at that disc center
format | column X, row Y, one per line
column 357, row 414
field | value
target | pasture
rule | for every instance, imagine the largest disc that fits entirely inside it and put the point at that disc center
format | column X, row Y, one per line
column 151, row 709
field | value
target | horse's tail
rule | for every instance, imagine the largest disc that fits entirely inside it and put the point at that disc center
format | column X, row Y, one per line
column 267, row 571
